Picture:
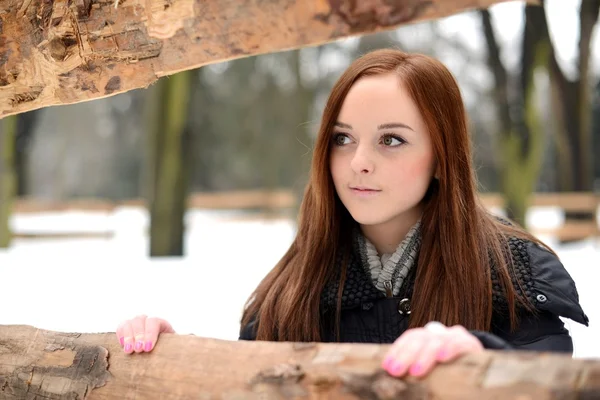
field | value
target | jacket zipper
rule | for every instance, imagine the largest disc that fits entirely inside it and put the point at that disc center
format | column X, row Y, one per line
column 388, row 288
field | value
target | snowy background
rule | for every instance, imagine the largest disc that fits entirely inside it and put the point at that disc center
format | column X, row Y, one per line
column 91, row 285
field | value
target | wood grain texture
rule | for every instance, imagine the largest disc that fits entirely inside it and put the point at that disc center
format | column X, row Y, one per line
column 53, row 365
column 56, row 52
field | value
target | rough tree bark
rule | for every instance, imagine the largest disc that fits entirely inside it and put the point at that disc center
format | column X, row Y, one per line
column 52, row 365
column 68, row 51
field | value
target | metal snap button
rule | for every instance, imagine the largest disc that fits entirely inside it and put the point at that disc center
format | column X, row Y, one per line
column 541, row 298
column 404, row 306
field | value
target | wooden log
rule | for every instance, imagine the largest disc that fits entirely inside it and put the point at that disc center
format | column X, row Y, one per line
column 69, row 51
column 51, row 365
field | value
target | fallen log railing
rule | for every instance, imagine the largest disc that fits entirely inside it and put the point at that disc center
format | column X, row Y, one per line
column 225, row 200
column 51, row 365
column 586, row 202
column 276, row 202
column 69, row 51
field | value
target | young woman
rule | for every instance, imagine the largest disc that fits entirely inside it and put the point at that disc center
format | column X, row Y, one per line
column 393, row 245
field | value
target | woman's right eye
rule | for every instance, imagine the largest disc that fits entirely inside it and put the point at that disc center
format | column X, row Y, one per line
column 341, row 139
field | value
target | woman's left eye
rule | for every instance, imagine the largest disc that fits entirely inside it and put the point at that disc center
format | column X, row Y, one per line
column 392, row 140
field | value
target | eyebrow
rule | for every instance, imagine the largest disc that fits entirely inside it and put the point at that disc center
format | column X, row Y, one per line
column 394, row 125
column 343, row 125
column 382, row 126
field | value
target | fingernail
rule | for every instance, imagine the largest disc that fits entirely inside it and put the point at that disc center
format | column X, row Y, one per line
column 148, row 346
column 138, row 345
column 387, row 363
column 416, row 369
column 396, row 368
column 122, row 341
column 128, row 347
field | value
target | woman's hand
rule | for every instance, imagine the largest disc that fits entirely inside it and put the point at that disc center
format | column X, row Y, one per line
column 418, row 350
column 141, row 333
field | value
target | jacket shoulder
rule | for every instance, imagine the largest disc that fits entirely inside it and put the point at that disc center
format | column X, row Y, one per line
column 545, row 280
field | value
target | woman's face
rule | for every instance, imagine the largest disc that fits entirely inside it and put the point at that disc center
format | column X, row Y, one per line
column 382, row 160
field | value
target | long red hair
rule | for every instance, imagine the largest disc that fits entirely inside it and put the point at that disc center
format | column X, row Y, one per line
column 461, row 239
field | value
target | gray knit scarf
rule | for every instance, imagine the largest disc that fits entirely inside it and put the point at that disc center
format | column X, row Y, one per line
column 393, row 268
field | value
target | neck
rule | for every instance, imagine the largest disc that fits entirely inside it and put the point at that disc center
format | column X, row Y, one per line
column 387, row 236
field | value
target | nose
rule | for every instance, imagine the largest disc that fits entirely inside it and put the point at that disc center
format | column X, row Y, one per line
column 362, row 161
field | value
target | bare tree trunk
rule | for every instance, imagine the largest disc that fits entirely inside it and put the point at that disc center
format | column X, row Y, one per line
column 564, row 154
column 596, row 137
column 26, row 124
column 576, row 111
column 572, row 108
column 8, row 130
column 588, row 16
column 521, row 136
column 523, row 151
column 169, row 164
column 63, row 52
column 53, row 365
column 305, row 95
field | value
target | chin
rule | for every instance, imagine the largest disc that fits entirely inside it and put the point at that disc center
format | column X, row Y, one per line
column 368, row 218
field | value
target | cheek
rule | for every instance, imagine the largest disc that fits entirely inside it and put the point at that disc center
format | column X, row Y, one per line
column 334, row 171
column 418, row 170
column 337, row 166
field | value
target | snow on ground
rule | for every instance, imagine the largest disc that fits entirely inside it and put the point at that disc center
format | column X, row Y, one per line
column 90, row 285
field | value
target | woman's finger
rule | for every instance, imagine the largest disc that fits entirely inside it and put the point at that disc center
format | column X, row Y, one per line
column 154, row 327
column 460, row 342
column 127, row 331
column 427, row 357
column 120, row 335
column 166, row 327
column 404, row 352
column 138, row 325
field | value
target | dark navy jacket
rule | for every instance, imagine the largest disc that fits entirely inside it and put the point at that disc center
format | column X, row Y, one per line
column 368, row 316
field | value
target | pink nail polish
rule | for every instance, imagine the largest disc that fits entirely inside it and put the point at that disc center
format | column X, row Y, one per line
column 122, row 341
column 416, row 369
column 148, row 346
column 128, row 347
column 138, row 345
column 396, row 368
column 387, row 363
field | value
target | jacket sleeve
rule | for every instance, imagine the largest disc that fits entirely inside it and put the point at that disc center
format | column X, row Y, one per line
column 554, row 296
column 248, row 332
column 540, row 332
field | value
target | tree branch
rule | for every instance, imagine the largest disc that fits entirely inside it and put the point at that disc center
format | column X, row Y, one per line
column 499, row 71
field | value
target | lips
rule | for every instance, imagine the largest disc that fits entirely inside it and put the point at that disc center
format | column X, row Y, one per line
column 364, row 189
column 364, row 192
